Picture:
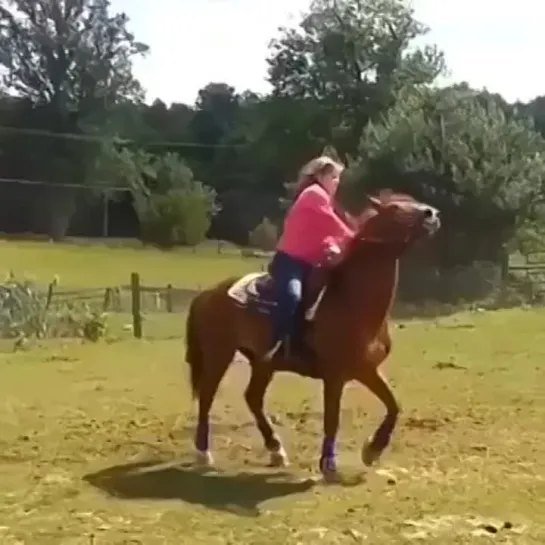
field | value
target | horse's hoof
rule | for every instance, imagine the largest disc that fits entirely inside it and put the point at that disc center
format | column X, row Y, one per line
column 331, row 477
column 369, row 454
column 204, row 459
column 328, row 469
column 279, row 458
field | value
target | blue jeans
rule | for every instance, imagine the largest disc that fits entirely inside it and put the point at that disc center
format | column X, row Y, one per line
column 290, row 276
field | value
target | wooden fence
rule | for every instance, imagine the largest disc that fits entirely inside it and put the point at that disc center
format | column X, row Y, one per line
column 526, row 274
column 133, row 298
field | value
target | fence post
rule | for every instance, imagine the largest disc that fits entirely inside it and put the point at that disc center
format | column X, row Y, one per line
column 117, row 299
column 107, row 299
column 105, row 214
column 50, row 291
column 135, row 306
column 169, row 298
column 504, row 274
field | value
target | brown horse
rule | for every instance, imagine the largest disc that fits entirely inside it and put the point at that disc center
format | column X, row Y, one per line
column 348, row 333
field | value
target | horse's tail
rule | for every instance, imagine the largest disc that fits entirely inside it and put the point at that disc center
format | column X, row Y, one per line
column 193, row 354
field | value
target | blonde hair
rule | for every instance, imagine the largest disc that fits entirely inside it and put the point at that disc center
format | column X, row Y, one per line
column 314, row 167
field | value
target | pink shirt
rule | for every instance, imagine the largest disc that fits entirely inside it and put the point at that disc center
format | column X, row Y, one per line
column 311, row 227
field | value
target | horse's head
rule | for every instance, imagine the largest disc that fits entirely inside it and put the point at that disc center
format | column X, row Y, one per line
column 397, row 220
column 390, row 223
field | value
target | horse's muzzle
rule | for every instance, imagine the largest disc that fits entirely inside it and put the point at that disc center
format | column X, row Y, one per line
column 432, row 221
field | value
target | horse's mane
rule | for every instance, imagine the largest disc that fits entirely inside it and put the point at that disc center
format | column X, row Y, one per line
column 387, row 195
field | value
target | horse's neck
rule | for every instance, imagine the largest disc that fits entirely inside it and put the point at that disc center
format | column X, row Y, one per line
column 369, row 290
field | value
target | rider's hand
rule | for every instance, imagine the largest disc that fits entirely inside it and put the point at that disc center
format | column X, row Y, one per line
column 333, row 254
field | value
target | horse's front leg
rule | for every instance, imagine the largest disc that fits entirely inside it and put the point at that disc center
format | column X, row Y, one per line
column 375, row 445
column 333, row 390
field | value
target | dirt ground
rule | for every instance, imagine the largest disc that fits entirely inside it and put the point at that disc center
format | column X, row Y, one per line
column 96, row 443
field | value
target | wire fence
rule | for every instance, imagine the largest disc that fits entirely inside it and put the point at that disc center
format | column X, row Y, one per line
column 91, row 187
column 114, row 139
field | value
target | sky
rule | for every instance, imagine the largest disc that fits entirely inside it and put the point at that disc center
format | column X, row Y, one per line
column 488, row 43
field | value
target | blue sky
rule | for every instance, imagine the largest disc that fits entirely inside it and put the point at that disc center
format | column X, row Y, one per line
column 489, row 43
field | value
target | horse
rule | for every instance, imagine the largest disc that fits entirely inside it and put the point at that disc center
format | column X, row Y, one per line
column 346, row 326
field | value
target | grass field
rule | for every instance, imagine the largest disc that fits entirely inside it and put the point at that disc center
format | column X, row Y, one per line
column 83, row 266
column 96, row 438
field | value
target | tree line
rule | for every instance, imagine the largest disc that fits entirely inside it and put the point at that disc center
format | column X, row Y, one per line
column 348, row 78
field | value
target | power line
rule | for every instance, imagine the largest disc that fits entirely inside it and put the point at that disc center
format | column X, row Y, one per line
column 72, row 186
column 114, row 140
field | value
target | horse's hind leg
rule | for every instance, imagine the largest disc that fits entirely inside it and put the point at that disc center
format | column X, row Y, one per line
column 255, row 397
column 212, row 377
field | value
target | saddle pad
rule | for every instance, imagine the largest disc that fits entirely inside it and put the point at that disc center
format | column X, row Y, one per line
column 244, row 290
column 245, row 286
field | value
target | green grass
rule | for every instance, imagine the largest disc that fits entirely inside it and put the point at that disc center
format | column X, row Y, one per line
column 470, row 448
column 83, row 266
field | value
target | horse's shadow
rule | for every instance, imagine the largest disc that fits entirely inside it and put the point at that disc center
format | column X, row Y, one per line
column 240, row 493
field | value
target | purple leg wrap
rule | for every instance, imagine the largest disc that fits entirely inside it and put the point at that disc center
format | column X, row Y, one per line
column 328, row 447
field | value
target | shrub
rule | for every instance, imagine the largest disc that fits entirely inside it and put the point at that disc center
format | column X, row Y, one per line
column 264, row 236
column 178, row 217
column 27, row 311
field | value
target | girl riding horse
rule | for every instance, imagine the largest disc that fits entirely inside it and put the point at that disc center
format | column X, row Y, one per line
column 314, row 236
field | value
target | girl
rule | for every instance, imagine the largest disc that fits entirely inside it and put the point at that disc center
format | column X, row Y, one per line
column 313, row 236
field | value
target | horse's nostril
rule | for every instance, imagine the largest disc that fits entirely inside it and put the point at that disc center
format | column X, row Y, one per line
column 428, row 213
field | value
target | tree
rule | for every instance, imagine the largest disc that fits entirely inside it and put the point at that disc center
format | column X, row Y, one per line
column 168, row 125
column 534, row 110
column 484, row 169
column 352, row 56
column 242, row 157
column 216, row 110
column 212, row 126
column 72, row 60
column 71, row 54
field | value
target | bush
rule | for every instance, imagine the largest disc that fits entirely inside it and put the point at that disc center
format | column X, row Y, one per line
column 178, row 217
column 27, row 311
column 159, row 220
column 195, row 220
column 172, row 207
column 264, row 236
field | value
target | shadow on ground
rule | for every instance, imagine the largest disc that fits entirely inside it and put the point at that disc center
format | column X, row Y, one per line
column 239, row 493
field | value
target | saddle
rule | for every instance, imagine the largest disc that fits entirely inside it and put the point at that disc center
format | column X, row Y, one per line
column 256, row 290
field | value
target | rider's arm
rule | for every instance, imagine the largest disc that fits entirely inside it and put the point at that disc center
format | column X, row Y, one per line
column 350, row 220
column 320, row 203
